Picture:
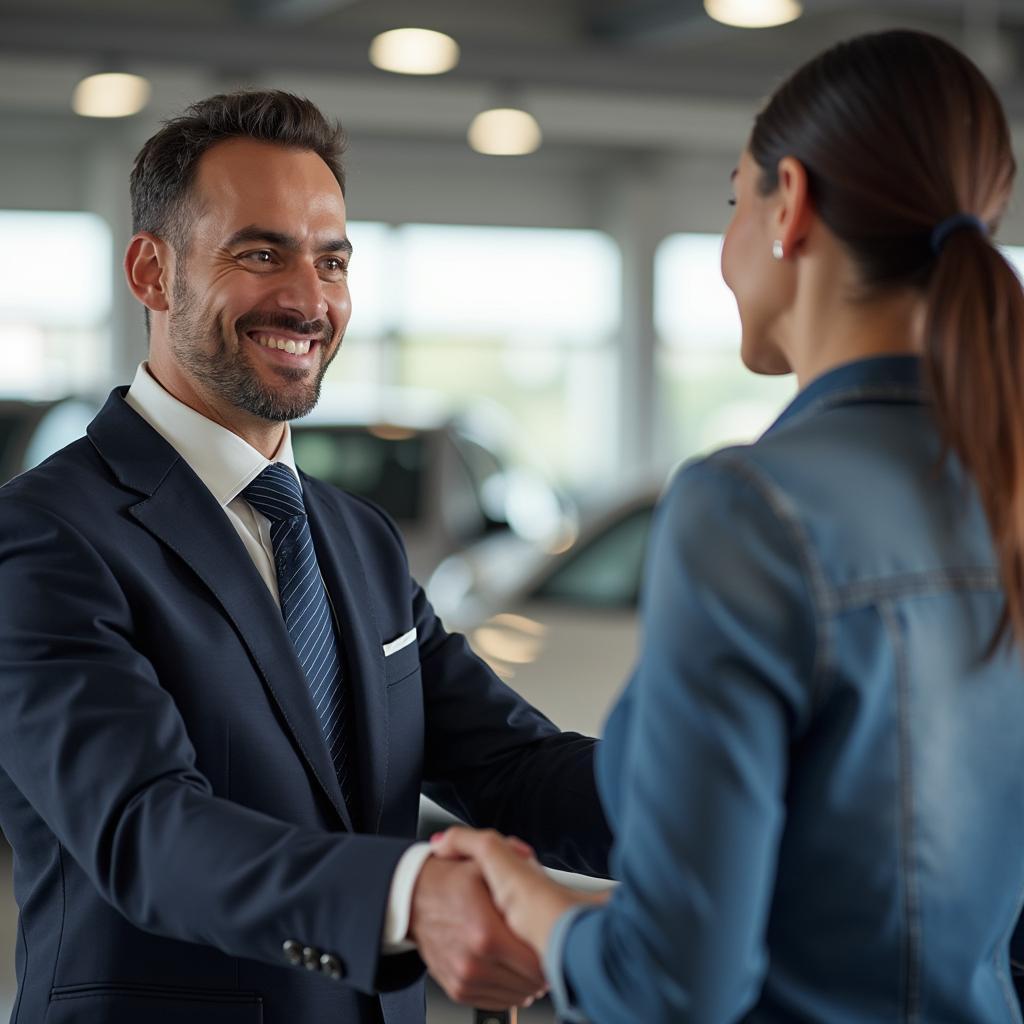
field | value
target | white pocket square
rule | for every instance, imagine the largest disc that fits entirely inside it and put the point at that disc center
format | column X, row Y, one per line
column 403, row 641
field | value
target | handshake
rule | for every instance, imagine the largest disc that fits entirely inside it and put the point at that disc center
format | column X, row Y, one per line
column 482, row 911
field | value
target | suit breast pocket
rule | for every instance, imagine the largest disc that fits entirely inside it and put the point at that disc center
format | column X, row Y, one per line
column 404, row 683
column 402, row 664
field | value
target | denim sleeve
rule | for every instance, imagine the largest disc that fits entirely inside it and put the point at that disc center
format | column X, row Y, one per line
column 562, row 996
column 722, row 687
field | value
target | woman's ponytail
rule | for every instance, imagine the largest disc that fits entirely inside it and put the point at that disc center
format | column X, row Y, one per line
column 910, row 165
column 974, row 365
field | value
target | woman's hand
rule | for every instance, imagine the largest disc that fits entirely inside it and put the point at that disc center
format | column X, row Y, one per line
column 529, row 901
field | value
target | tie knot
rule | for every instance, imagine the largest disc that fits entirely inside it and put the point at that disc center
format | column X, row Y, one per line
column 276, row 493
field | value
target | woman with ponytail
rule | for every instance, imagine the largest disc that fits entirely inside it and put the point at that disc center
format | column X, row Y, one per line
column 816, row 775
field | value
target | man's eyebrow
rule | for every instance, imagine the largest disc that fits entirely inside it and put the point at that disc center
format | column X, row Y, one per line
column 336, row 245
column 255, row 233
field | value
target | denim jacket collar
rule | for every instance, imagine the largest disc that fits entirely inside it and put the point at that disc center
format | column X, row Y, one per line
column 878, row 379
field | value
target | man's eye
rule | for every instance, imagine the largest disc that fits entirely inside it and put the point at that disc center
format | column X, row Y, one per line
column 259, row 256
column 334, row 265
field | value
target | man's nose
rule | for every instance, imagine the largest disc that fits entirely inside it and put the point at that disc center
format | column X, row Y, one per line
column 302, row 292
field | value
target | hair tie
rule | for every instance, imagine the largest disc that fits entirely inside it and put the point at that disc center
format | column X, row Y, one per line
column 957, row 222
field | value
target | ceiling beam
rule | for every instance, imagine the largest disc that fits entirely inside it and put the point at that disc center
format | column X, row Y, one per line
column 243, row 48
column 299, row 12
column 649, row 21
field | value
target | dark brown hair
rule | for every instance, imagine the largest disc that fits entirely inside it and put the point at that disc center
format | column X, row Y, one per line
column 164, row 170
column 899, row 131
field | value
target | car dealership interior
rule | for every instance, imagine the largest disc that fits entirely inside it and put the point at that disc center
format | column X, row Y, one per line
column 540, row 334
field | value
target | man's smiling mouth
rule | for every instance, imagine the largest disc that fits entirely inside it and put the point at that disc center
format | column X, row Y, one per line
column 289, row 345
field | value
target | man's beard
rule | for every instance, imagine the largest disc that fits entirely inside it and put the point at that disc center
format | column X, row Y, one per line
column 230, row 375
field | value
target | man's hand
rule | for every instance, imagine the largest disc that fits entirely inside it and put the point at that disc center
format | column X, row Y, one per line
column 464, row 942
column 529, row 902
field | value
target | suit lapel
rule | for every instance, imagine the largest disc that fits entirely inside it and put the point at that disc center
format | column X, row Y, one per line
column 181, row 513
column 342, row 570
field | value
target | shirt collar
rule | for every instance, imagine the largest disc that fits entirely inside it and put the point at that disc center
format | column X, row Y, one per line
column 221, row 459
column 878, row 379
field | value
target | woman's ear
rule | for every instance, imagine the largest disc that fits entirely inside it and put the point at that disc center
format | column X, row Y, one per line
column 794, row 210
column 146, row 266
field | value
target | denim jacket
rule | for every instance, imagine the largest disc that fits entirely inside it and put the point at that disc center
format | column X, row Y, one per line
column 815, row 776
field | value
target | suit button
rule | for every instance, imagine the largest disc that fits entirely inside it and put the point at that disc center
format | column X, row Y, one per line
column 311, row 958
column 293, row 952
column 331, row 966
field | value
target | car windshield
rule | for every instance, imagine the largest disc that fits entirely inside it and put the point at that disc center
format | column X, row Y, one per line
column 386, row 467
column 606, row 571
column 10, row 428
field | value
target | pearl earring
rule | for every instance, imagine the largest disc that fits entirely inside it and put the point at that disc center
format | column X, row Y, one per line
column 777, row 251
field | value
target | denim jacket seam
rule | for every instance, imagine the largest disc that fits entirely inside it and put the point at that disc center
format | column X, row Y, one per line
column 910, row 961
column 860, row 593
column 822, row 601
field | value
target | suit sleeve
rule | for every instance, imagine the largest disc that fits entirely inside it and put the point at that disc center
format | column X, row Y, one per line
column 496, row 761
column 97, row 747
column 722, row 688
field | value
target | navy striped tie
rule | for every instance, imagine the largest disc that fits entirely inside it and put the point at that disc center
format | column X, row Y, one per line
column 277, row 494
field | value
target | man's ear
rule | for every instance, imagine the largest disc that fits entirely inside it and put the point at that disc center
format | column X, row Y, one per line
column 147, row 268
column 795, row 209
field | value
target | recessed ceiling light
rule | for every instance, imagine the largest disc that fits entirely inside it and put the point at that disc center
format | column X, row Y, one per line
column 414, row 51
column 754, row 13
column 110, row 95
column 504, row 131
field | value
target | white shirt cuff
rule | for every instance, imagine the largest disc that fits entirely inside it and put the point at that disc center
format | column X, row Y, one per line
column 396, row 921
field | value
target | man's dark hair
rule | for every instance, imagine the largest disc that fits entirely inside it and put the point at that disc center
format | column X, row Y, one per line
column 164, row 170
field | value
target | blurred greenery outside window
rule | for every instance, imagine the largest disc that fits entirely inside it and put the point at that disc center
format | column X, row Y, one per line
column 55, row 304
column 521, row 318
column 710, row 399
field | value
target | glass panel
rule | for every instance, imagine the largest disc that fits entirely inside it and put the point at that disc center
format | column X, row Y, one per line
column 54, row 344
column 12, row 431
column 556, row 400
column 606, row 572
column 533, row 285
column 518, row 319
column 387, row 470
column 42, row 247
column 368, row 279
column 1015, row 254
column 710, row 398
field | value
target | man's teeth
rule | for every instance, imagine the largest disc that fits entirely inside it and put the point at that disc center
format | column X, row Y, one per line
column 294, row 348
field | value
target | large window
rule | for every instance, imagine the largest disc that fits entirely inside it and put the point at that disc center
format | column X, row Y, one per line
column 710, row 398
column 55, row 299
column 520, row 318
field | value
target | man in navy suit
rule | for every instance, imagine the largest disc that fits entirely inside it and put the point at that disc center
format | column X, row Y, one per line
column 217, row 712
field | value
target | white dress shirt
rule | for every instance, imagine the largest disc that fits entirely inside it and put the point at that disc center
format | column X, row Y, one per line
column 227, row 465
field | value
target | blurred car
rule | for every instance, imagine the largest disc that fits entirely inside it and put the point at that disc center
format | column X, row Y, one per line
column 560, row 627
column 32, row 431
column 447, row 480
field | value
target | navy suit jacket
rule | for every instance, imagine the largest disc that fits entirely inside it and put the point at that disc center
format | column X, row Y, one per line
column 163, row 778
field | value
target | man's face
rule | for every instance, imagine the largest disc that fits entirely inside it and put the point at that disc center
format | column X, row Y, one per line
column 260, row 300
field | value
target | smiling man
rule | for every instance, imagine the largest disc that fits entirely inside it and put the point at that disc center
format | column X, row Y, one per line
column 220, row 689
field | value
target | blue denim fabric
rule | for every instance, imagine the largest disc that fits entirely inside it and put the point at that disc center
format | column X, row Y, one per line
column 815, row 778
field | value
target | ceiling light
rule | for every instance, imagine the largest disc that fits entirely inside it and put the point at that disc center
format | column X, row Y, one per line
column 754, row 13
column 414, row 51
column 504, row 131
column 110, row 95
